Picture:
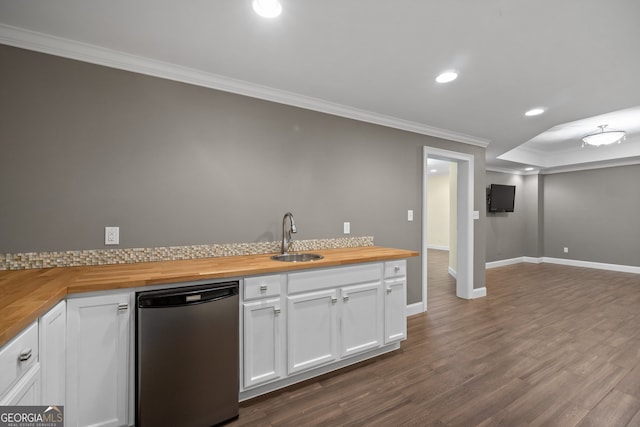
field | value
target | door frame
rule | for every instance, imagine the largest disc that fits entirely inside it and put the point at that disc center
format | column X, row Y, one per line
column 465, row 226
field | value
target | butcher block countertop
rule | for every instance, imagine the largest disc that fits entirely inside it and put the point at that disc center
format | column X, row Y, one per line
column 27, row 294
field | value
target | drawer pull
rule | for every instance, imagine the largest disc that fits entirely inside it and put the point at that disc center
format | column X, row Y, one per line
column 263, row 288
column 276, row 310
column 396, row 268
column 25, row 355
column 334, row 300
column 345, row 298
column 389, row 290
column 123, row 307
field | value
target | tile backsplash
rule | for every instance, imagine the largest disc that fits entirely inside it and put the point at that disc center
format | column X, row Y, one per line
column 27, row 260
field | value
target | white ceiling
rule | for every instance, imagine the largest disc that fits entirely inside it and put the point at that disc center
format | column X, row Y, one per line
column 377, row 60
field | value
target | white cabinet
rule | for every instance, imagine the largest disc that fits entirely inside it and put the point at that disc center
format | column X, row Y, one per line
column 333, row 314
column 19, row 368
column 53, row 331
column 312, row 330
column 98, row 339
column 263, row 328
column 360, row 318
column 395, row 301
column 26, row 391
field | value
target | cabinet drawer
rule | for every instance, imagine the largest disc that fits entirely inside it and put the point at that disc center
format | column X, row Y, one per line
column 261, row 287
column 17, row 356
column 395, row 268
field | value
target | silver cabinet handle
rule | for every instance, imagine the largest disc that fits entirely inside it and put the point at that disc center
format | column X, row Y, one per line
column 345, row 298
column 397, row 268
column 25, row 355
column 263, row 288
column 389, row 290
column 276, row 310
column 123, row 307
column 334, row 300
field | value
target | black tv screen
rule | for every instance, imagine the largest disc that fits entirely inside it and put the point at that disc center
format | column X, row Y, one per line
column 501, row 198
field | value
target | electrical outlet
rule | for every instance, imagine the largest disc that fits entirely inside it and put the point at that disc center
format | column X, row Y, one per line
column 409, row 215
column 112, row 235
column 566, row 250
column 347, row 228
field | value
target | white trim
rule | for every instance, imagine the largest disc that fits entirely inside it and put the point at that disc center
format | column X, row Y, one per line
column 589, row 166
column 504, row 262
column 589, row 264
column 438, row 247
column 452, row 272
column 563, row 261
column 479, row 293
column 415, row 308
column 512, row 171
column 45, row 43
column 465, row 226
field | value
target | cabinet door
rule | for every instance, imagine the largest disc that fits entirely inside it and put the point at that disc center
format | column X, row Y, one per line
column 395, row 306
column 361, row 318
column 26, row 392
column 312, row 330
column 262, row 346
column 53, row 332
column 98, row 360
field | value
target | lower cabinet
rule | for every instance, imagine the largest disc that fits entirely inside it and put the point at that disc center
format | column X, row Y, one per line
column 262, row 340
column 312, row 320
column 312, row 330
column 98, row 360
column 53, row 332
column 27, row 391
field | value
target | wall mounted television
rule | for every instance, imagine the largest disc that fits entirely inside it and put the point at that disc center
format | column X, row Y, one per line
column 501, row 198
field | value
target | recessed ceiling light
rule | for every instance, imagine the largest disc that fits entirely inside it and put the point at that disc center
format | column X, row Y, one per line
column 447, row 76
column 534, row 112
column 529, row 169
column 267, row 8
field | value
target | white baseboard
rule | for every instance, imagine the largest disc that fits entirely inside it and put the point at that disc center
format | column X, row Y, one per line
column 564, row 261
column 438, row 247
column 504, row 262
column 415, row 308
column 452, row 273
column 479, row 293
column 597, row 265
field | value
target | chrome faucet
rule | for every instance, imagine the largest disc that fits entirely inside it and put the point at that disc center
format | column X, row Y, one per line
column 286, row 234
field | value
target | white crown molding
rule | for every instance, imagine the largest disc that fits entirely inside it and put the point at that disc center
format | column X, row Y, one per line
column 590, row 166
column 40, row 42
column 511, row 171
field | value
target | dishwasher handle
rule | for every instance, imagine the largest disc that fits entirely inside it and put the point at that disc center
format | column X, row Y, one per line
column 192, row 295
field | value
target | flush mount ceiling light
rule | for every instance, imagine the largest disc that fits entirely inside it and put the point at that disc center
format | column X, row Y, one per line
column 604, row 137
column 267, row 8
column 534, row 112
column 447, row 76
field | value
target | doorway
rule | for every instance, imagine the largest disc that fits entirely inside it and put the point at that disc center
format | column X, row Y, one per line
column 464, row 237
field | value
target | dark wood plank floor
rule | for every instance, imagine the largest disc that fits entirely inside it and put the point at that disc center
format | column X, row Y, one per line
column 549, row 346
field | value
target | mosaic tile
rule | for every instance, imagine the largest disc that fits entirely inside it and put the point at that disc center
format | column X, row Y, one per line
column 28, row 260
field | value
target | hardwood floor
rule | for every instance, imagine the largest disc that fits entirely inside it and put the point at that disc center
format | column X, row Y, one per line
column 549, row 346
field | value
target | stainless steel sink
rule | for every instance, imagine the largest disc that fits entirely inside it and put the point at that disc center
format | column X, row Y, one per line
column 298, row 257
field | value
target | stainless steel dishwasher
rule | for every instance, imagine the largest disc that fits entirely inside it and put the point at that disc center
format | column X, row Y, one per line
column 187, row 358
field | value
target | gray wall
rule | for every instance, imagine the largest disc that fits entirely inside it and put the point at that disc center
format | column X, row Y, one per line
column 505, row 230
column 595, row 213
column 85, row 146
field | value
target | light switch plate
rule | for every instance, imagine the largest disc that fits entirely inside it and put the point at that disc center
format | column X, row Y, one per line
column 347, row 228
column 112, row 235
column 475, row 214
column 410, row 215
